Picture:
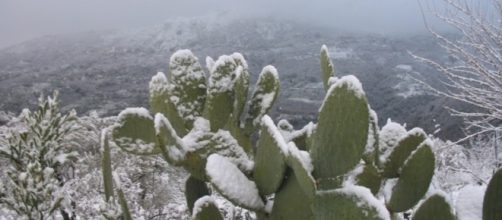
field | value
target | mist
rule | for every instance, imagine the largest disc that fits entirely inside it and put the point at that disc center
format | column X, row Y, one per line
column 28, row 19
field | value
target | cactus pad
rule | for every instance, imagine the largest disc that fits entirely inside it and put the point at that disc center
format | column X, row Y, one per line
column 264, row 95
column 194, row 190
column 232, row 183
column 327, row 67
column 349, row 202
column 402, row 151
column 492, row 202
column 206, row 209
column 416, row 175
column 135, row 133
column 342, row 130
column 270, row 158
column 434, row 208
column 291, row 202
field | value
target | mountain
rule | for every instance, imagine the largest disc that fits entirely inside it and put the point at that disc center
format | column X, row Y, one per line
column 110, row 70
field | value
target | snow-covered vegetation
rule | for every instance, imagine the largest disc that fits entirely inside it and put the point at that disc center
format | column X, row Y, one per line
column 68, row 167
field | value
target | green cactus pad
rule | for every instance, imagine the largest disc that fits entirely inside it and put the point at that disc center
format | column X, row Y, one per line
column 434, row 208
column 194, row 190
column 402, row 151
column 264, row 95
column 327, row 67
column 201, row 142
column 416, row 175
column 300, row 162
column 342, row 130
column 492, row 202
column 232, row 183
column 372, row 147
column 126, row 215
column 188, row 85
column 206, row 209
column 241, row 91
column 350, row 202
column 220, row 99
column 135, row 133
column 241, row 87
column 269, row 159
column 106, row 166
column 370, row 178
column 291, row 202
column 160, row 102
column 170, row 145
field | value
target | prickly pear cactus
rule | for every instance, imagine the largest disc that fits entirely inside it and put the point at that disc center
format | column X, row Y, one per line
column 434, row 208
column 492, row 203
column 343, row 167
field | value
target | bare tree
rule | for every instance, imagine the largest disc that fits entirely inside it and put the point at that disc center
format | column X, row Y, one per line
column 475, row 76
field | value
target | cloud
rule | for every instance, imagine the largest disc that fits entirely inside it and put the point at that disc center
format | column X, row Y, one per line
column 22, row 20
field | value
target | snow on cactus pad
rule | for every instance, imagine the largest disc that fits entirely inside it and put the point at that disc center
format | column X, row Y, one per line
column 232, row 183
column 220, row 101
column 402, row 151
column 160, row 102
column 342, row 130
column 415, row 178
column 270, row 158
column 264, row 95
column 205, row 208
column 435, row 207
column 135, row 132
column 188, row 90
column 349, row 202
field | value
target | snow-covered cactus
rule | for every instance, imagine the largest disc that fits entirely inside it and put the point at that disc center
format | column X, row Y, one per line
column 492, row 203
column 436, row 207
column 327, row 69
column 109, row 179
column 335, row 169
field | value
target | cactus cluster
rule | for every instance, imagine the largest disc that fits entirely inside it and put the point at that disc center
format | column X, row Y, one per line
column 333, row 169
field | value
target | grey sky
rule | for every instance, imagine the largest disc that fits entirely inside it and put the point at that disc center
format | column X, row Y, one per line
column 21, row 20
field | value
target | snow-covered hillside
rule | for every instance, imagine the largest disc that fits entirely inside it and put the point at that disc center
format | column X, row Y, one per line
column 109, row 70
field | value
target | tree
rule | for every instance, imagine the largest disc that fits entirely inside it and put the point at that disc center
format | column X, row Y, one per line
column 474, row 76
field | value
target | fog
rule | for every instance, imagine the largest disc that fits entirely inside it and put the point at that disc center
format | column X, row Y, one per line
column 27, row 19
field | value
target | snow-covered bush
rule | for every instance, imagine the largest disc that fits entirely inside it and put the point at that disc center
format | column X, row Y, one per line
column 37, row 151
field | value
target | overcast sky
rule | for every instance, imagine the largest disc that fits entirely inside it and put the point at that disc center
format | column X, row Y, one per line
column 21, row 20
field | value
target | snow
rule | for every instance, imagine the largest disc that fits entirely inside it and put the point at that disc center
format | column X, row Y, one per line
column 390, row 135
column 276, row 134
column 404, row 67
column 302, row 156
column 223, row 60
column 201, row 203
column 116, row 180
column 238, row 56
column 388, row 186
column 232, row 183
column 270, row 69
column 469, row 203
column 174, row 152
column 209, row 63
column 140, row 112
column 352, row 84
column 365, row 199
column 158, row 83
column 222, row 142
column 179, row 57
column 222, row 81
